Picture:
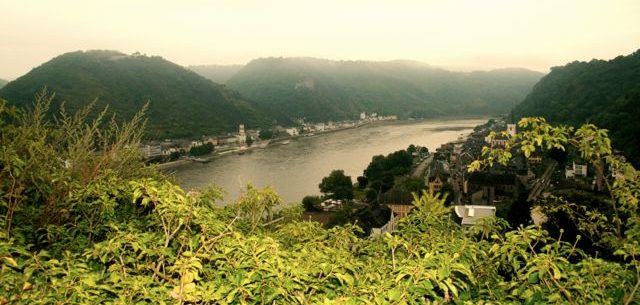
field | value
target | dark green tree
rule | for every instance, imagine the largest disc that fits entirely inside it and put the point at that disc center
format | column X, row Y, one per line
column 265, row 134
column 414, row 184
column 311, row 203
column 200, row 150
column 337, row 185
column 424, row 150
column 447, row 189
column 519, row 212
column 558, row 154
column 411, row 149
column 362, row 182
column 382, row 170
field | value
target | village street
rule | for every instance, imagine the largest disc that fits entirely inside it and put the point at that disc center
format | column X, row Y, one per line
column 418, row 172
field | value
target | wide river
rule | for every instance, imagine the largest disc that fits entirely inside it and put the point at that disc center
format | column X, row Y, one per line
column 296, row 169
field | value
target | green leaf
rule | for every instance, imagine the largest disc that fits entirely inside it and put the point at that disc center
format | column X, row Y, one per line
column 10, row 261
column 394, row 294
column 444, row 272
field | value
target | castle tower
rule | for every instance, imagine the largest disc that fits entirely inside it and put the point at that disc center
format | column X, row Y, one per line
column 242, row 137
column 511, row 129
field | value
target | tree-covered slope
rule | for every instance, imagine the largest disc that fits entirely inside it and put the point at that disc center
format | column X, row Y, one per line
column 3, row 82
column 606, row 93
column 217, row 73
column 319, row 89
column 181, row 103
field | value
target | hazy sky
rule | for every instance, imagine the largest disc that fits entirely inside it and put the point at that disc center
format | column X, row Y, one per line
column 464, row 34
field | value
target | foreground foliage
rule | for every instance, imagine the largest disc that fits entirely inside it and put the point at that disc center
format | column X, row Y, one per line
column 102, row 229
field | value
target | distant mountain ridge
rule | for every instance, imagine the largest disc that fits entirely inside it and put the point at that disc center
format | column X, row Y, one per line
column 321, row 89
column 2, row 82
column 217, row 73
column 182, row 103
column 606, row 93
column 265, row 91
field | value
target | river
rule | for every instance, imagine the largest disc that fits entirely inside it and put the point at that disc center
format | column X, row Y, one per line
column 295, row 170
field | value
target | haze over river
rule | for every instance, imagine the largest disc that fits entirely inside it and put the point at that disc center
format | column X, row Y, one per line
column 296, row 169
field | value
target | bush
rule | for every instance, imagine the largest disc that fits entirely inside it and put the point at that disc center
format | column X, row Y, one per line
column 311, row 203
column 201, row 150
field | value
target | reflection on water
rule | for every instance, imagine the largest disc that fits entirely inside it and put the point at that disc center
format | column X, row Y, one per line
column 295, row 170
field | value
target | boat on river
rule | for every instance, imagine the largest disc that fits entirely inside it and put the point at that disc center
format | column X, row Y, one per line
column 202, row 160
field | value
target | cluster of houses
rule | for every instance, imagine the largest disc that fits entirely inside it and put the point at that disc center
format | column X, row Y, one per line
column 312, row 128
column 375, row 117
column 331, row 205
column 166, row 148
column 480, row 194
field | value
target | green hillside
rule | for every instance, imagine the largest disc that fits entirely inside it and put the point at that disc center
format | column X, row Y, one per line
column 182, row 103
column 217, row 73
column 319, row 89
column 3, row 82
column 606, row 93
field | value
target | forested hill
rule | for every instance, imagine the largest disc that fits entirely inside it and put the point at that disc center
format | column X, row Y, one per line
column 217, row 73
column 2, row 82
column 320, row 90
column 606, row 93
column 182, row 103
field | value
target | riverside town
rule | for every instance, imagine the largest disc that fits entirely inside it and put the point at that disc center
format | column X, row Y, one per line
column 175, row 152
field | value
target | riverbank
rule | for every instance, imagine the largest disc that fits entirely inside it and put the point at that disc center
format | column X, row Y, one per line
column 320, row 133
column 210, row 157
column 172, row 164
column 256, row 145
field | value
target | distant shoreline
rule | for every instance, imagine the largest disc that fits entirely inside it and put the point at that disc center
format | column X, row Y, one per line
column 179, row 163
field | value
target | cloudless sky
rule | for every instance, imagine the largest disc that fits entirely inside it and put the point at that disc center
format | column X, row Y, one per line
column 473, row 34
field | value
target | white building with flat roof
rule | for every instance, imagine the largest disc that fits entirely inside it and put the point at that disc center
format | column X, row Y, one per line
column 292, row 131
column 470, row 214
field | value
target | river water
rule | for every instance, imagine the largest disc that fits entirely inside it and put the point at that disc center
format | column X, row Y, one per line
column 295, row 170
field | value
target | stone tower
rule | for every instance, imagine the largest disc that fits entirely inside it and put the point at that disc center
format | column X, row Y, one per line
column 511, row 129
column 242, row 137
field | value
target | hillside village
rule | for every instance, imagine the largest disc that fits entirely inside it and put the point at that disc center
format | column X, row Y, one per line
column 511, row 189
